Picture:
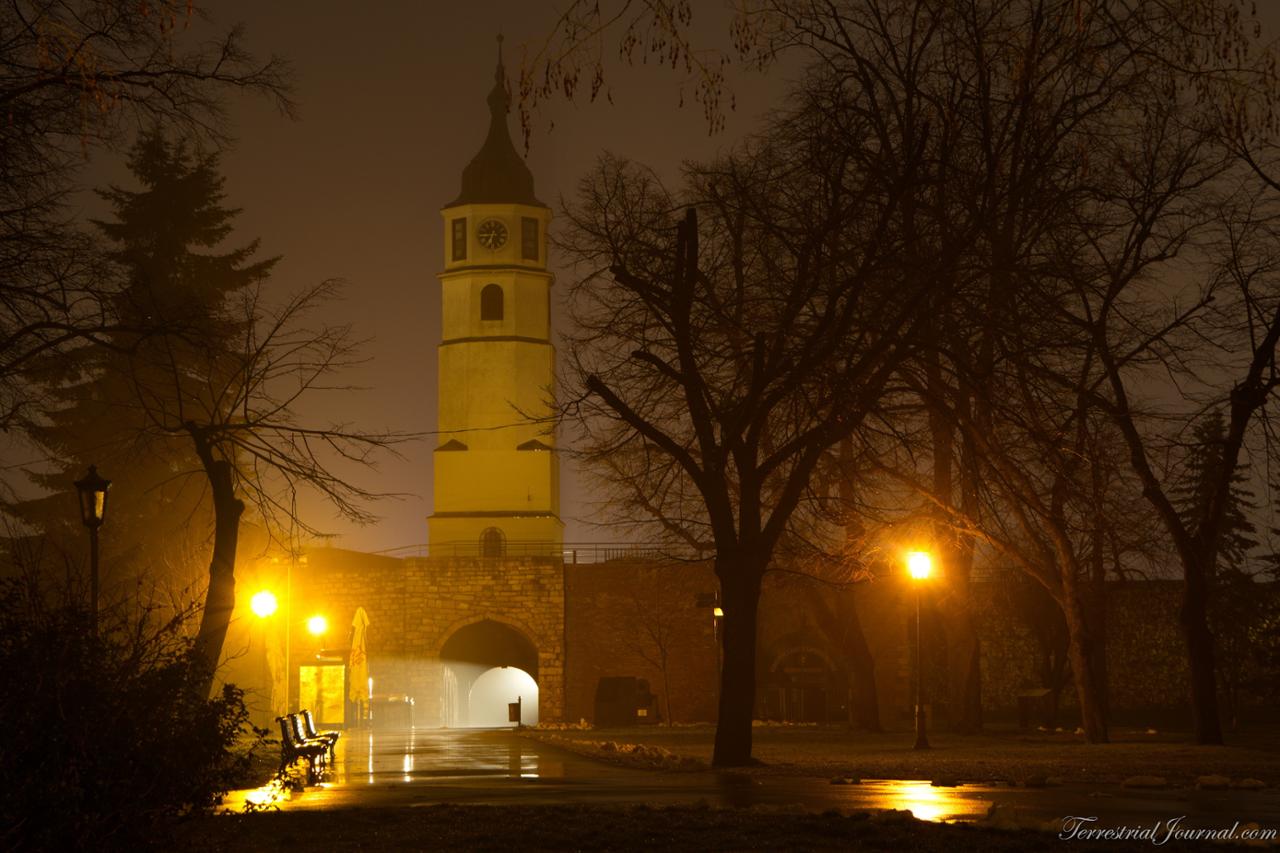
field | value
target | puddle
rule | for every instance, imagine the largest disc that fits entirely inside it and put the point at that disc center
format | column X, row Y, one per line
column 429, row 766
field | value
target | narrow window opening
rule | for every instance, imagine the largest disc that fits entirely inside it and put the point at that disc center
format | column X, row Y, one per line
column 460, row 239
column 491, row 302
column 529, row 238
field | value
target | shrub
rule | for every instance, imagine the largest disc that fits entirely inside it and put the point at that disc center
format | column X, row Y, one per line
column 104, row 742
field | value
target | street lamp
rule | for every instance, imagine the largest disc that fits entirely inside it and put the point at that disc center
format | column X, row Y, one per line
column 263, row 604
column 317, row 625
column 93, row 511
column 919, row 566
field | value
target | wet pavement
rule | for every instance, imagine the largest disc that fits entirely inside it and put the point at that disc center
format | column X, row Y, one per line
column 494, row 767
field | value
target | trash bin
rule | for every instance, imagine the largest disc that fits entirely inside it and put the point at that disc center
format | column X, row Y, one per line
column 391, row 712
column 1030, row 702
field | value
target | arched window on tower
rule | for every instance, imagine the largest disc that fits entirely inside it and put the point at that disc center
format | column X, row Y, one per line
column 491, row 302
column 493, row 543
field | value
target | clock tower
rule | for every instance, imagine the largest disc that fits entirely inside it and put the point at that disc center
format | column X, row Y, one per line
column 497, row 482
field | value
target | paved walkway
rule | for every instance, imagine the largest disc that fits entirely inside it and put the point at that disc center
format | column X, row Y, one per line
column 429, row 766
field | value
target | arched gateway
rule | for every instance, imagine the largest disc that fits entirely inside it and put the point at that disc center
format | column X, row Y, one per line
column 488, row 665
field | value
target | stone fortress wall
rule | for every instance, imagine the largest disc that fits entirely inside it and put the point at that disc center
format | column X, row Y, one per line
column 619, row 618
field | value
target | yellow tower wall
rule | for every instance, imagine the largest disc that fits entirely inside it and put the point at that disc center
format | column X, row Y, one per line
column 496, row 389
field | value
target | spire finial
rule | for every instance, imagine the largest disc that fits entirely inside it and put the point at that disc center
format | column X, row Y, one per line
column 498, row 97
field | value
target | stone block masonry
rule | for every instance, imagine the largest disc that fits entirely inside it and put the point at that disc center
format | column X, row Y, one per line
column 619, row 618
column 416, row 605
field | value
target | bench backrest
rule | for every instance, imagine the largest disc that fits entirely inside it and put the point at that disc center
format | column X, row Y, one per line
column 296, row 721
column 308, row 724
column 287, row 733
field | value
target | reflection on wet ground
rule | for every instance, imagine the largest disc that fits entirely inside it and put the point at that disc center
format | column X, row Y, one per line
column 428, row 766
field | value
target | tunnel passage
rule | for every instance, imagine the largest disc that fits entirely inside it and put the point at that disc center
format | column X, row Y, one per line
column 486, row 665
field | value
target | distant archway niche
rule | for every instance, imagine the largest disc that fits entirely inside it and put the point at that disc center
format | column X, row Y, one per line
column 486, row 665
column 493, row 542
column 491, row 302
column 802, row 686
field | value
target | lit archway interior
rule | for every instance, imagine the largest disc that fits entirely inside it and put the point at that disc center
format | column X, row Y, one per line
column 497, row 687
column 486, row 665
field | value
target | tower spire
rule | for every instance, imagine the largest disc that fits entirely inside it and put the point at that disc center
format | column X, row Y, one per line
column 497, row 174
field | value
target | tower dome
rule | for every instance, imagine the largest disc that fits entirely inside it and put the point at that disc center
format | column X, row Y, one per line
column 497, row 174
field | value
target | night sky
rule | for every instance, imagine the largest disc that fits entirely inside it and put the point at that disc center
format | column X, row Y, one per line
column 392, row 107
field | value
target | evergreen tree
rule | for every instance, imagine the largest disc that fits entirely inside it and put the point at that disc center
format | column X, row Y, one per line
column 174, row 301
column 1237, row 611
column 1193, row 494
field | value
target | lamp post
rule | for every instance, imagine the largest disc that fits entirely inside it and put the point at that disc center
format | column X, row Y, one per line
column 93, row 511
column 264, row 606
column 717, row 617
column 919, row 566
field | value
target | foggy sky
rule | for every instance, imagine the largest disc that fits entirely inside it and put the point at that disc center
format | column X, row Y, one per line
column 392, row 108
column 392, row 97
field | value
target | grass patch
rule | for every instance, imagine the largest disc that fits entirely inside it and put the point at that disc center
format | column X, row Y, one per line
column 999, row 754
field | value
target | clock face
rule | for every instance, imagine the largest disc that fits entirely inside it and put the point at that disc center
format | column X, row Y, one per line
column 492, row 234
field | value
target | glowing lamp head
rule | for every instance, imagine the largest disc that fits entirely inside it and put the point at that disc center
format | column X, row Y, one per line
column 263, row 604
column 919, row 565
column 317, row 625
column 93, row 498
column 717, row 613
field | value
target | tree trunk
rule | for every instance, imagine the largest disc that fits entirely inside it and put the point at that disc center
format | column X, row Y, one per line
column 1055, row 680
column 1096, row 615
column 964, row 657
column 740, row 590
column 666, row 685
column 965, row 651
column 220, row 600
column 1098, row 592
column 865, row 699
column 1080, row 652
column 1194, row 617
column 1053, row 662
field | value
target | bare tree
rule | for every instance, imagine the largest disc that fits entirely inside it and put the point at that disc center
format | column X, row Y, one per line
column 1079, row 155
column 237, row 409
column 751, row 343
column 653, row 613
column 1236, row 311
column 75, row 75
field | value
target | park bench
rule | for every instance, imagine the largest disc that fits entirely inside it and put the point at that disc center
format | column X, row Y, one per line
column 294, row 745
column 301, row 735
column 309, row 730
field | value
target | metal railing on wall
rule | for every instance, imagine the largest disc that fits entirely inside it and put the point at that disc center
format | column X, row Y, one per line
column 586, row 553
column 570, row 552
